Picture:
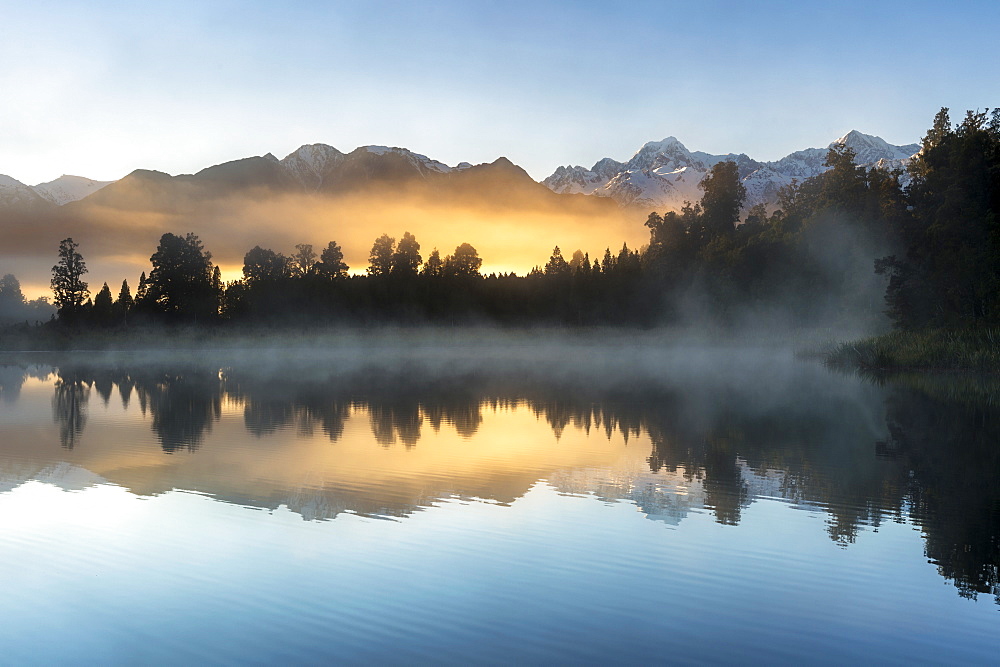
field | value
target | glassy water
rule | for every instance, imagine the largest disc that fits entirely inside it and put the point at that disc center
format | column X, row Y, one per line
column 493, row 503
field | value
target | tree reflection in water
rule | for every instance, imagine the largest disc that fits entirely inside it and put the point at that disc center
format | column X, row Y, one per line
column 939, row 467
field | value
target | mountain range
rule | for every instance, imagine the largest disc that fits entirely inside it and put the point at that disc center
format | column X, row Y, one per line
column 661, row 175
column 664, row 174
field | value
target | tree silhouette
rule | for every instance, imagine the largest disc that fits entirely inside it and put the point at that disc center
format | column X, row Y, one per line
column 181, row 281
column 723, row 198
column 67, row 278
column 103, row 312
column 465, row 262
column 12, row 305
column 433, row 266
column 557, row 265
column 125, row 303
column 303, row 260
column 264, row 265
column 331, row 262
column 380, row 258
column 406, row 259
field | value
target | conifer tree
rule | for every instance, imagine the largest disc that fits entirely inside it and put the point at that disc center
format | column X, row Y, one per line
column 557, row 264
column 124, row 304
column 331, row 262
column 380, row 258
column 433, row 266
column 103, row 310
column 406, row 259
column 67, row 278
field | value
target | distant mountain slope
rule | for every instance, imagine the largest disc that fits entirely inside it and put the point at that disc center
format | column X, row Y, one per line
column 665, row 174
column 68, row 188
column 16, row 197
column 323, row 170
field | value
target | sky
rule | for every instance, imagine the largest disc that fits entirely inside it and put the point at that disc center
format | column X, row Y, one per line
column 101, row 88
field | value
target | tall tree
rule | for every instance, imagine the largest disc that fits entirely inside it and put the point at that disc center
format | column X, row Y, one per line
column 723, row 198
column 12, row 305
column 180, row 283
column 124, row 304
column 103, row 311
column 380, row 258
column 557, row 264
column 67, row 278
column 263, row 264
column 433, row 266
column 406, row 259
column 303, row 259
column 331, row 262
column 465, row 262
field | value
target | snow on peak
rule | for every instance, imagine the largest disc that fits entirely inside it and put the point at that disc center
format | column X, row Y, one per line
column 68, row 188
column 307, row 165
column 416, row 159
column 15, row 194
column 664, row 174
column 870, row 149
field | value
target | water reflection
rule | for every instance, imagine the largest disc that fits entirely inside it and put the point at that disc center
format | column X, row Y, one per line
column 862, row 454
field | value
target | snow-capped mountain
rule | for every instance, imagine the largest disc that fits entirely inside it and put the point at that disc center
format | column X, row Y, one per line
column 316, row 167
column 16, row 196
column 665, row 174
column 68, row 188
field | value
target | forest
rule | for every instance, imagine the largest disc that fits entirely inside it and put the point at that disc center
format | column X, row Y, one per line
column 854, row 248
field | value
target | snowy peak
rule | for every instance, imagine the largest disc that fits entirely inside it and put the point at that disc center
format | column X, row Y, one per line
column 870, row 149
column 658, row 154
column 665, row 174
column 416, row 159
column 68, row 188
column 308, row 165
column 15, row 195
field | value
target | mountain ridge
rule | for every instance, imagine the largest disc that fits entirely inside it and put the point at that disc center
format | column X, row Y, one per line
column 661, row 174
column 665, row 174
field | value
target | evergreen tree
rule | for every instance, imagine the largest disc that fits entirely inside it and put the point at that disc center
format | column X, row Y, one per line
column 557, row 265
column 722, row 201
column 380, row 258
column 67, row 278
column 265, row 265
column 124, row 304
column 433, row 266
column 12, row 304
column 142, row 291
column 180, row 283
column 103, row 310
column 465, row 262
column 331, row 262
column 406, row 259
column 303, row 260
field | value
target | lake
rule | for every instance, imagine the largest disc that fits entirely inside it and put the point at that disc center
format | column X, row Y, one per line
column 495, row 499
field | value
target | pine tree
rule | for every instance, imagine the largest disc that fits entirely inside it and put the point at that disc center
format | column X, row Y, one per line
column 124, row 305
column 380, row 258
column 723, row 198
column 433, row 266
column 67, row 278
column 103, row 311
column 406, row 259
column 331, row 262
column 303, row 260
column 557, row 264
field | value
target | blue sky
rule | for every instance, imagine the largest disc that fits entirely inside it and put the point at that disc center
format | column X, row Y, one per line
column 101, row 88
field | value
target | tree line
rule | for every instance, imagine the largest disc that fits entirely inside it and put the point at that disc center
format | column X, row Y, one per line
column 921, row 247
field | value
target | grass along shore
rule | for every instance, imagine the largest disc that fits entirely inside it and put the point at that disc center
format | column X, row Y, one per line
column 933, row 350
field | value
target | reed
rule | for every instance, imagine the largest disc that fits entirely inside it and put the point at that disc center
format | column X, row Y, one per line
column 975, row 349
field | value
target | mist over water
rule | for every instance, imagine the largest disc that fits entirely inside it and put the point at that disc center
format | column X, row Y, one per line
column 593, row 495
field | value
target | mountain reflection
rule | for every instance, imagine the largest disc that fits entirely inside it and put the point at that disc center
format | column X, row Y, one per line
column 863, row 454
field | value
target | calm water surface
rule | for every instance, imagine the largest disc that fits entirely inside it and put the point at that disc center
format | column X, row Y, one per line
column 570, row 502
